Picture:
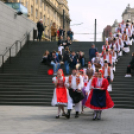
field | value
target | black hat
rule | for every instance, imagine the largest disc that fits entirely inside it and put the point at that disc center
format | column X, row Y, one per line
column 74, row 68
column 105, row 61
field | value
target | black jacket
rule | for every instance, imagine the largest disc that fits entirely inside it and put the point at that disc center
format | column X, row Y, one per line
column 66, row 56
column 68, row 43
column 60, row 42
column 40, row 27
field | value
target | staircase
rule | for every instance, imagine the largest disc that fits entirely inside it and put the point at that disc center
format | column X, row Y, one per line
column 24, row 81
column 123, row 88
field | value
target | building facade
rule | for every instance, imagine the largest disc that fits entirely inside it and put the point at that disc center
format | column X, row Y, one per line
column 128, row 13
column 48, row 10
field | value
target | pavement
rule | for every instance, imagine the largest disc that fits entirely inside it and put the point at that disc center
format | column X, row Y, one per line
column 41, row 120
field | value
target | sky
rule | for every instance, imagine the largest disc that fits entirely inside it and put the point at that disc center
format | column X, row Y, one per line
column 86, row 11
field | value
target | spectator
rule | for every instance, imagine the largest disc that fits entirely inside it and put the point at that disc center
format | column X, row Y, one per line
column 46, row 58
column 73, row 59
column 130, row 66
column 70, row 34
column 60, row 44
column 61, row 32
column 58, row 34
column 59, row 56
column 55, row 62
column 66, row 60
column 53, row 31
column 80, row 58
column 92, row 52
column 68, row 42
column 40, row 28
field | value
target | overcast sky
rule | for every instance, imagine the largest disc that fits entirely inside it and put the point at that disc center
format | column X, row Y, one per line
column 86, row 11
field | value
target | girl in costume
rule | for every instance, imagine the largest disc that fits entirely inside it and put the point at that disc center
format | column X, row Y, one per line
column 60, row 95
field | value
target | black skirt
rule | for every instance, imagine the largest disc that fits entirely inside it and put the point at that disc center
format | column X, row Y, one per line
column 76, row 95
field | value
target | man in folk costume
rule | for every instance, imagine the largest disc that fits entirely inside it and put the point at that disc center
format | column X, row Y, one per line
column 107, row 56
column 106, row 46
column 117, row 49
column 99, row 98
column 125, row 39
column 113, row 43
column 60, row 95
column 75, row 84
column 97, row 61
column 118, row 29
column 119, row 41
column 129, row 34
column 114, row 57
column 123, row 25
column 107, row 72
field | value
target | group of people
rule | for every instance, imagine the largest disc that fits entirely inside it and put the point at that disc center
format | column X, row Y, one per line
column 70, row 59
column 55, row 33
column 89, row 87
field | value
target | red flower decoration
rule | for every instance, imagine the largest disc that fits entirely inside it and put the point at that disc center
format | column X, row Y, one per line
column 50, row 72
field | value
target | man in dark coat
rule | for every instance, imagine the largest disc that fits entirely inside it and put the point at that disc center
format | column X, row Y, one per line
column 73, row 59
column 130, row 66
column 92, row 52
column 40, row 28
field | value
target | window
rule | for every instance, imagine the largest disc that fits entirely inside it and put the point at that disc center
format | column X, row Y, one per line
column 26, row 4
column 40, row 15
column 40, row 3
column 36, row 1
column 31, row 9
column 36, row 13
column 44, row 18
column 44, row 6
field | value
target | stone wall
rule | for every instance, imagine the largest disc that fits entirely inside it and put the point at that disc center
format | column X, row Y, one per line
column 12, row 28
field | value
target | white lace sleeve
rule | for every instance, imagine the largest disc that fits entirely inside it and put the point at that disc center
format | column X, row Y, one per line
column 54, row 79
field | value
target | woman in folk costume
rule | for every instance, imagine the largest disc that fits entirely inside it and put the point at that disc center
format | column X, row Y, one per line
column 85, row 81
column 60, row 95
column 99, row 98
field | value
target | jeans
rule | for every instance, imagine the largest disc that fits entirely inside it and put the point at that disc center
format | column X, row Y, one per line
column 82, row 61
column 66, row 64
column 39, row 35
column 129, row 69
column 56, row 67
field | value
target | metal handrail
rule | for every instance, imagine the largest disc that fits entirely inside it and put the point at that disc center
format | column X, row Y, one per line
column 17, row 41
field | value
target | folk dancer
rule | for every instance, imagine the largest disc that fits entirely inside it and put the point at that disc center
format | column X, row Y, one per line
column 75, row 84
column 60, row 95
column 99, row 98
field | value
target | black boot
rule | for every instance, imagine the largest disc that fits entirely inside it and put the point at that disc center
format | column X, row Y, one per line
column 95, row 115
column 99, row 115
column 77, row 115
column 68, row 114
